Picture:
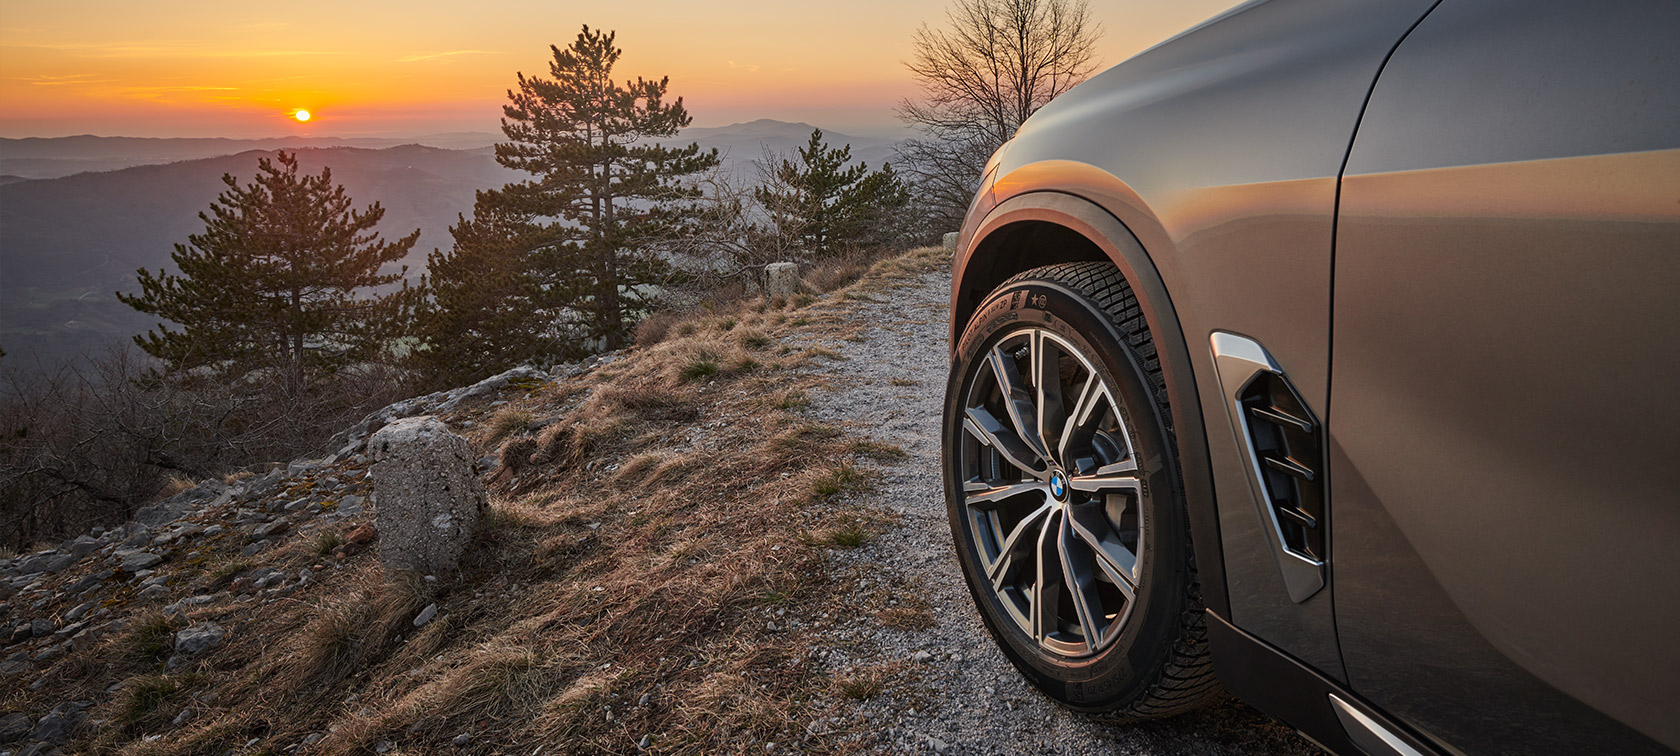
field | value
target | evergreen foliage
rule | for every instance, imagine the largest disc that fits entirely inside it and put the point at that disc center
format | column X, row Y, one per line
column 828, row 206
column 581, row 248
column 277, row 287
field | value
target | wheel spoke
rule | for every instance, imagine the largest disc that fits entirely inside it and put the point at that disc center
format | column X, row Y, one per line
column 983, row 426
column 1086, row 522
column 1081, row 583
column 978, row 493
column 1017, row 403
column 1047, row 379
column 1006, row 553
column 1046, row 593
column 1115, row 477
column 1081, row 408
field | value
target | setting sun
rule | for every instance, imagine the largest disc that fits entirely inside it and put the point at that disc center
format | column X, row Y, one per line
column 302, row 115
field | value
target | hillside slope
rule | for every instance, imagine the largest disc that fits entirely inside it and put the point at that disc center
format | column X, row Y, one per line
column 729, row 541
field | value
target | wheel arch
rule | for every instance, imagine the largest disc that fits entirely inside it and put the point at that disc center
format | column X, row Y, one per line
column 1046, row 227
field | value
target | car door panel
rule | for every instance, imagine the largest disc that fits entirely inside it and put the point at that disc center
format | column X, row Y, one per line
column 1503, row 387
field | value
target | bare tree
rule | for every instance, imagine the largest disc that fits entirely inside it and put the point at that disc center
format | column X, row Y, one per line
column 997, row 63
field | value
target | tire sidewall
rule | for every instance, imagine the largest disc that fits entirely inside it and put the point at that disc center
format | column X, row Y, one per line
column 1132, row 663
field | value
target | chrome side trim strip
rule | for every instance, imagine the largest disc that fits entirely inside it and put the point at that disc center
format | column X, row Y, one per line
column 1372, row 738
column 1238, row 360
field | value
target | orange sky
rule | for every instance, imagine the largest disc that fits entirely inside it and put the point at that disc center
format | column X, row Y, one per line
column 397, row 68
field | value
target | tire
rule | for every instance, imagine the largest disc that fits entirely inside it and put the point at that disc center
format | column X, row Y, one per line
column 1080, row 479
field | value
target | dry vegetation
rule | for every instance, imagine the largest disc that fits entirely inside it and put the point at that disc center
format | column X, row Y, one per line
column 653, row 572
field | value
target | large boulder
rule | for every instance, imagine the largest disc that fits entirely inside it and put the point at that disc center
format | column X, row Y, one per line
column 429, row 497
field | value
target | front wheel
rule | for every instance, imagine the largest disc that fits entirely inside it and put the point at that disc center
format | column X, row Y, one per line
column 1063, row 492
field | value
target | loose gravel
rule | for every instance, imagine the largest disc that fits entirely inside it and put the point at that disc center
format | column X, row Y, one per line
column 947, row 688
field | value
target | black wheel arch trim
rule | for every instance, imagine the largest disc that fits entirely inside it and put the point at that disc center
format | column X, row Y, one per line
column 1103, row 230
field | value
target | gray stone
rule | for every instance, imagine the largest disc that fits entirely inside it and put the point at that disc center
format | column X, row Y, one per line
column 425, row 615
column 951, row 242
column 253, row 549
column 41, row 627
column 91, row 581
column 14, row 726
column 781, row 279
column 184, row 717
column 134, row 561
column 139, row 536
column 62, row 721
column 153, row 593
column 39, row 562
column 462, row 740
column 198, row 638
column 272, row 529
column 80, row 611
column 430, row 499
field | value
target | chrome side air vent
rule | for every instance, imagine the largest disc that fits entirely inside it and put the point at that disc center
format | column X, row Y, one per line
column 1284, row 439
column 1283, row 444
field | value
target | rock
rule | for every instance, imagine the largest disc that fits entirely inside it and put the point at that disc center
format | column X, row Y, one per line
column 91, row 581
column 425, row 615
column 253, row 549
column 242, row 586
column 362, row 534
column 139, row 536
column 14, row 726
column 41, row 627
column 43, row 561
column 61, row 722
column 351, row 506
column 921, row 656
column 781, row 279
column 198, row 638
column 462, row 740
column 69, row 630
column 430, row 499
column 936, row 744
column 153, row 593
column 950, row 240
column 272, row 529
column 270, row 579
column 79, row 612
column 134, row 561
column 184, row 717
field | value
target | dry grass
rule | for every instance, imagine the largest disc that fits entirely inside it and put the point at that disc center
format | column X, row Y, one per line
column 172, row 485
column 509, row 420
column 634, row 552
column 150, row 637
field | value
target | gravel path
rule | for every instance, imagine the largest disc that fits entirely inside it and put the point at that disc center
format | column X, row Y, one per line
column 949, row 689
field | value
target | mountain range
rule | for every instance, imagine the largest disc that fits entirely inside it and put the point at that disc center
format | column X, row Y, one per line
column 69, row 242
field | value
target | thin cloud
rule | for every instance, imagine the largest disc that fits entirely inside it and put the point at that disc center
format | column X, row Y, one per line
column 442, row 55
column 752, row 68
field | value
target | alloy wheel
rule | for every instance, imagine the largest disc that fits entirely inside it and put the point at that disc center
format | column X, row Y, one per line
column 1050, row 491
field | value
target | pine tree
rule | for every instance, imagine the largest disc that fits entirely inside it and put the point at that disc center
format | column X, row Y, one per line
column 278, row 284
column 828, row 206
column 484, row 311
column 604, row 196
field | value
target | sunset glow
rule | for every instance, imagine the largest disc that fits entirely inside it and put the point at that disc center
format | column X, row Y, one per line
column 386, row 67
column 301, row 115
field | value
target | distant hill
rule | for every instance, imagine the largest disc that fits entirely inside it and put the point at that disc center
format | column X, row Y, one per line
column 68, row 243
column 37, row 157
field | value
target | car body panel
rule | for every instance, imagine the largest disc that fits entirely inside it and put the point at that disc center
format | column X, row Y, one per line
column 1504, row 404
column 1242, row 237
